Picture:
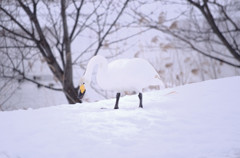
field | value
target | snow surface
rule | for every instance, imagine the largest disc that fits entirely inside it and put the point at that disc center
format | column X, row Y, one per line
column 200, row 120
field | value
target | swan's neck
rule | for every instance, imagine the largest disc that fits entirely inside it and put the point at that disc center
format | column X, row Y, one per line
column 98, row 61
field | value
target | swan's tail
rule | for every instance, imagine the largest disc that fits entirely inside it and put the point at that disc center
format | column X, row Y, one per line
column 158, row 81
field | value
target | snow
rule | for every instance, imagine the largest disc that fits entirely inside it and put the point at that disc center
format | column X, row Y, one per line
column 200, row 120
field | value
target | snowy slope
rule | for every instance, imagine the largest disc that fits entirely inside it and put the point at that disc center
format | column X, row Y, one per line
column 200, row 120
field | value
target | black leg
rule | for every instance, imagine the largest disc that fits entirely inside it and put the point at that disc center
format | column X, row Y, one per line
column 117, row 99
column 140, row 98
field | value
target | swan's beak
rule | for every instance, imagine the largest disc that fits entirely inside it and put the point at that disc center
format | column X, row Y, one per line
column 81, row 91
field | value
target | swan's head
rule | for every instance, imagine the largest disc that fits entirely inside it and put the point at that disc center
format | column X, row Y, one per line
column 82, row 89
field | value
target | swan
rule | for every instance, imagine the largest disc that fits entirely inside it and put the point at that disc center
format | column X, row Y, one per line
column 120, row 75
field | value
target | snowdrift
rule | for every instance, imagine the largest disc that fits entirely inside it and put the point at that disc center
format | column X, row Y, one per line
column 192, row 121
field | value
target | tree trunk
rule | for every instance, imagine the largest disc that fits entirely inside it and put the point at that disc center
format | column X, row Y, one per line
column 69, row 90
column 71, row 94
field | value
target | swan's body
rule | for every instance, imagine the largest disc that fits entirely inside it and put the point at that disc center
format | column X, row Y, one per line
column 122, row 74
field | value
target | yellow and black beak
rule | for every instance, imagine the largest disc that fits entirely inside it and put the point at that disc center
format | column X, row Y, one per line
column 81, row 91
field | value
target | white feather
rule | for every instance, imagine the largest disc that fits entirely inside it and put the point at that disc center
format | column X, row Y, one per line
column 122, row 74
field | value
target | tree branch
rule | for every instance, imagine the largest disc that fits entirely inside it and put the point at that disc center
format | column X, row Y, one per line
column 211, row 21
column 23, row 77
column 76, row 19
column 43, row 44
column 193, row 47
column 16, row 21
column 109, row 29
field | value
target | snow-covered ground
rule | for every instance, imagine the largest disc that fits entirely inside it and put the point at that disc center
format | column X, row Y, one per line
column 200, row 120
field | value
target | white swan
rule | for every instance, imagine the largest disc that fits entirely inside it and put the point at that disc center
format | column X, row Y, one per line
column 120, row 75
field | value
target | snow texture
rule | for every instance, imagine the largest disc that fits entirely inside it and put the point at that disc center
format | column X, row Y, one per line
column 200, row 120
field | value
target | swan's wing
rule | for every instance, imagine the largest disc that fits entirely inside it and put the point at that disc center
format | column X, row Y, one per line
column 133, row 73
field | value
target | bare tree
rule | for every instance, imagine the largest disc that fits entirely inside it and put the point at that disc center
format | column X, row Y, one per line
column 222, row 19
column 208, row 27
column 33, row 30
